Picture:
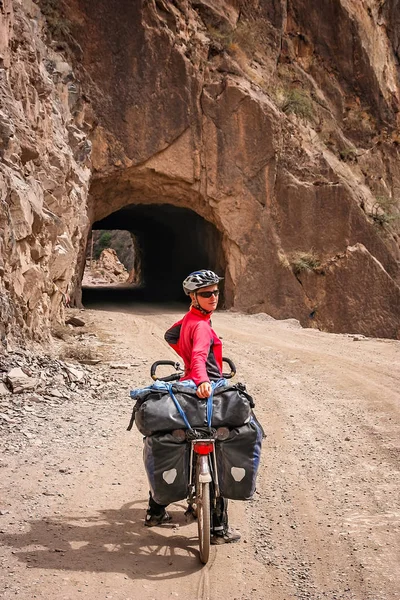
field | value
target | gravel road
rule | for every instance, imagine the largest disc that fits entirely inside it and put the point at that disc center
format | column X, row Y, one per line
column 324, row 523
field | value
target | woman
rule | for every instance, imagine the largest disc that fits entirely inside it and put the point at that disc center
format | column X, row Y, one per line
column 201, row 350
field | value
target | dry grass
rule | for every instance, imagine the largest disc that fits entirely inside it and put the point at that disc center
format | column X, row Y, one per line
column 304, row 261
column 76, row 351
column 248, row 37
column 65, row 332
column 283, row 259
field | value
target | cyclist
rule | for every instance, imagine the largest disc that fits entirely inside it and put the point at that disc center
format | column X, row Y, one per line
column 201, row 350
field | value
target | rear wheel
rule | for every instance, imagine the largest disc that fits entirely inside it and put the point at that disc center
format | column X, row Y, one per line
column 203, row 518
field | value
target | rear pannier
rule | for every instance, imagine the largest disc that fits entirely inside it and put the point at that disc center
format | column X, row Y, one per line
column 166, row 461
column 238, row 459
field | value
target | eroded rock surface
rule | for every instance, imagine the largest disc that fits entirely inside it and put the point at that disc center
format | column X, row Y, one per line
column 44, row 174
column 277, row 123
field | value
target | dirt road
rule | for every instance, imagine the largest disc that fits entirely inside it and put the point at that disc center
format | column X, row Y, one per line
column 324, row 523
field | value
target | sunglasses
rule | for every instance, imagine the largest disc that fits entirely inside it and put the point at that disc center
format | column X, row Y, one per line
column 208, row 294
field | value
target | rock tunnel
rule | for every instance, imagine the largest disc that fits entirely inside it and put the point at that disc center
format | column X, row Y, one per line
column 170, row 242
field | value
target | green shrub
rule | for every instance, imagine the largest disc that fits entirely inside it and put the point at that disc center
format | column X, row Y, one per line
column 223, row 37
column 348, row 155
column 103, row 242
column 385, row 211
column 385, row 203
column 297, row 101
column 383, row 219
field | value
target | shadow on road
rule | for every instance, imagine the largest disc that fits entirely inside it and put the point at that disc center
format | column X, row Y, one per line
column 123, row 295
column 114, row 541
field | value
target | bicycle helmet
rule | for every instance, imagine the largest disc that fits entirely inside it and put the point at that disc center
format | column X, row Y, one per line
column 199, row 279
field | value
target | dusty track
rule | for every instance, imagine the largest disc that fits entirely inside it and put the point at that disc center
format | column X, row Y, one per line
column 323, row 525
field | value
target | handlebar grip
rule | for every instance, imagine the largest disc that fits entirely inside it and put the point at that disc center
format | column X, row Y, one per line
column 232, row 367
column 170, row 363
column 173, row 377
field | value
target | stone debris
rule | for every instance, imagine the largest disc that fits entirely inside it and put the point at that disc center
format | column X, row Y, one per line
column 107, row 269
column 4, row 391
column 20, row 381
column 57, row 394
column 39, row 384
column 89, row 361
column 74, row 374
column 75, row 321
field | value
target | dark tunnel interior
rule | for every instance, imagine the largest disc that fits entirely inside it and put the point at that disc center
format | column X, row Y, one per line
column 171, row 243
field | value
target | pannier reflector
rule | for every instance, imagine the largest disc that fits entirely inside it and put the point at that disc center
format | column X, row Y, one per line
column 170, row 476
column 238, row 473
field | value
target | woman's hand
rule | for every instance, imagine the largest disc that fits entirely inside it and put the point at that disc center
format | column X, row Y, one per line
column 204, row 390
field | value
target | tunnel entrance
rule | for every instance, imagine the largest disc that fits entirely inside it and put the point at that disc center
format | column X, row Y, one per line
column 110, row 258
column 170, row 242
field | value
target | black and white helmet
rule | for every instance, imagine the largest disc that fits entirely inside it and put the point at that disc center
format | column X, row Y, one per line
column 199, row 279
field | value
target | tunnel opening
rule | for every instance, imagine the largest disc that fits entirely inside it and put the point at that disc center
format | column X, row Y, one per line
column 111, row 257
column 169, row 243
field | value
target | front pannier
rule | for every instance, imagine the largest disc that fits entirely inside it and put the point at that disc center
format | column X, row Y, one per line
column 166, row 461
column 156, row 411
column 238, row 460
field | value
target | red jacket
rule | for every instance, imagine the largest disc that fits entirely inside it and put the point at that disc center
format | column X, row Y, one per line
column 198, row 345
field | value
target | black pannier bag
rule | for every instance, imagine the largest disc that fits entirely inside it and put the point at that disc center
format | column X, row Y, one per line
column 238, row 459
column 166, row 461
column 155, row 410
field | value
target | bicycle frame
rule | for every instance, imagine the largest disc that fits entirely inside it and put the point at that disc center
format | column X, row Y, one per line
column 203, row 489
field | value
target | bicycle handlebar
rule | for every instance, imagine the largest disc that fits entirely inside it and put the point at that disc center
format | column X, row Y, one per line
column 232, row 367
column 171, row 363
column 178, row 368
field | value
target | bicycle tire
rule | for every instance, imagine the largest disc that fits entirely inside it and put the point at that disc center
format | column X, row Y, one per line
column 203, row 518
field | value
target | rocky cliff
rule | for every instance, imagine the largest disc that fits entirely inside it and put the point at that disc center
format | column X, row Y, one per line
column 44, row 173
column 256, row 137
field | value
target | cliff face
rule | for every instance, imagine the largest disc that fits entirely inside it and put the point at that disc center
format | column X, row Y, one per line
column 276, row 123
column 44, row 174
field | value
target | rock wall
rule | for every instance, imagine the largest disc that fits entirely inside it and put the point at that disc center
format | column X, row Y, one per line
column 276, row 121
column 44, row 174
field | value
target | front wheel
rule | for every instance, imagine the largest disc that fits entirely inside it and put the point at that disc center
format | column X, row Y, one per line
column 203, row 520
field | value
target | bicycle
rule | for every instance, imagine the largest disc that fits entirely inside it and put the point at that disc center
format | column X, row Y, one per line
column 203, row 486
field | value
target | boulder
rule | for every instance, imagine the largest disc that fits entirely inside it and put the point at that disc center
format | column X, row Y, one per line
column 20, row 381
column 369, row 296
